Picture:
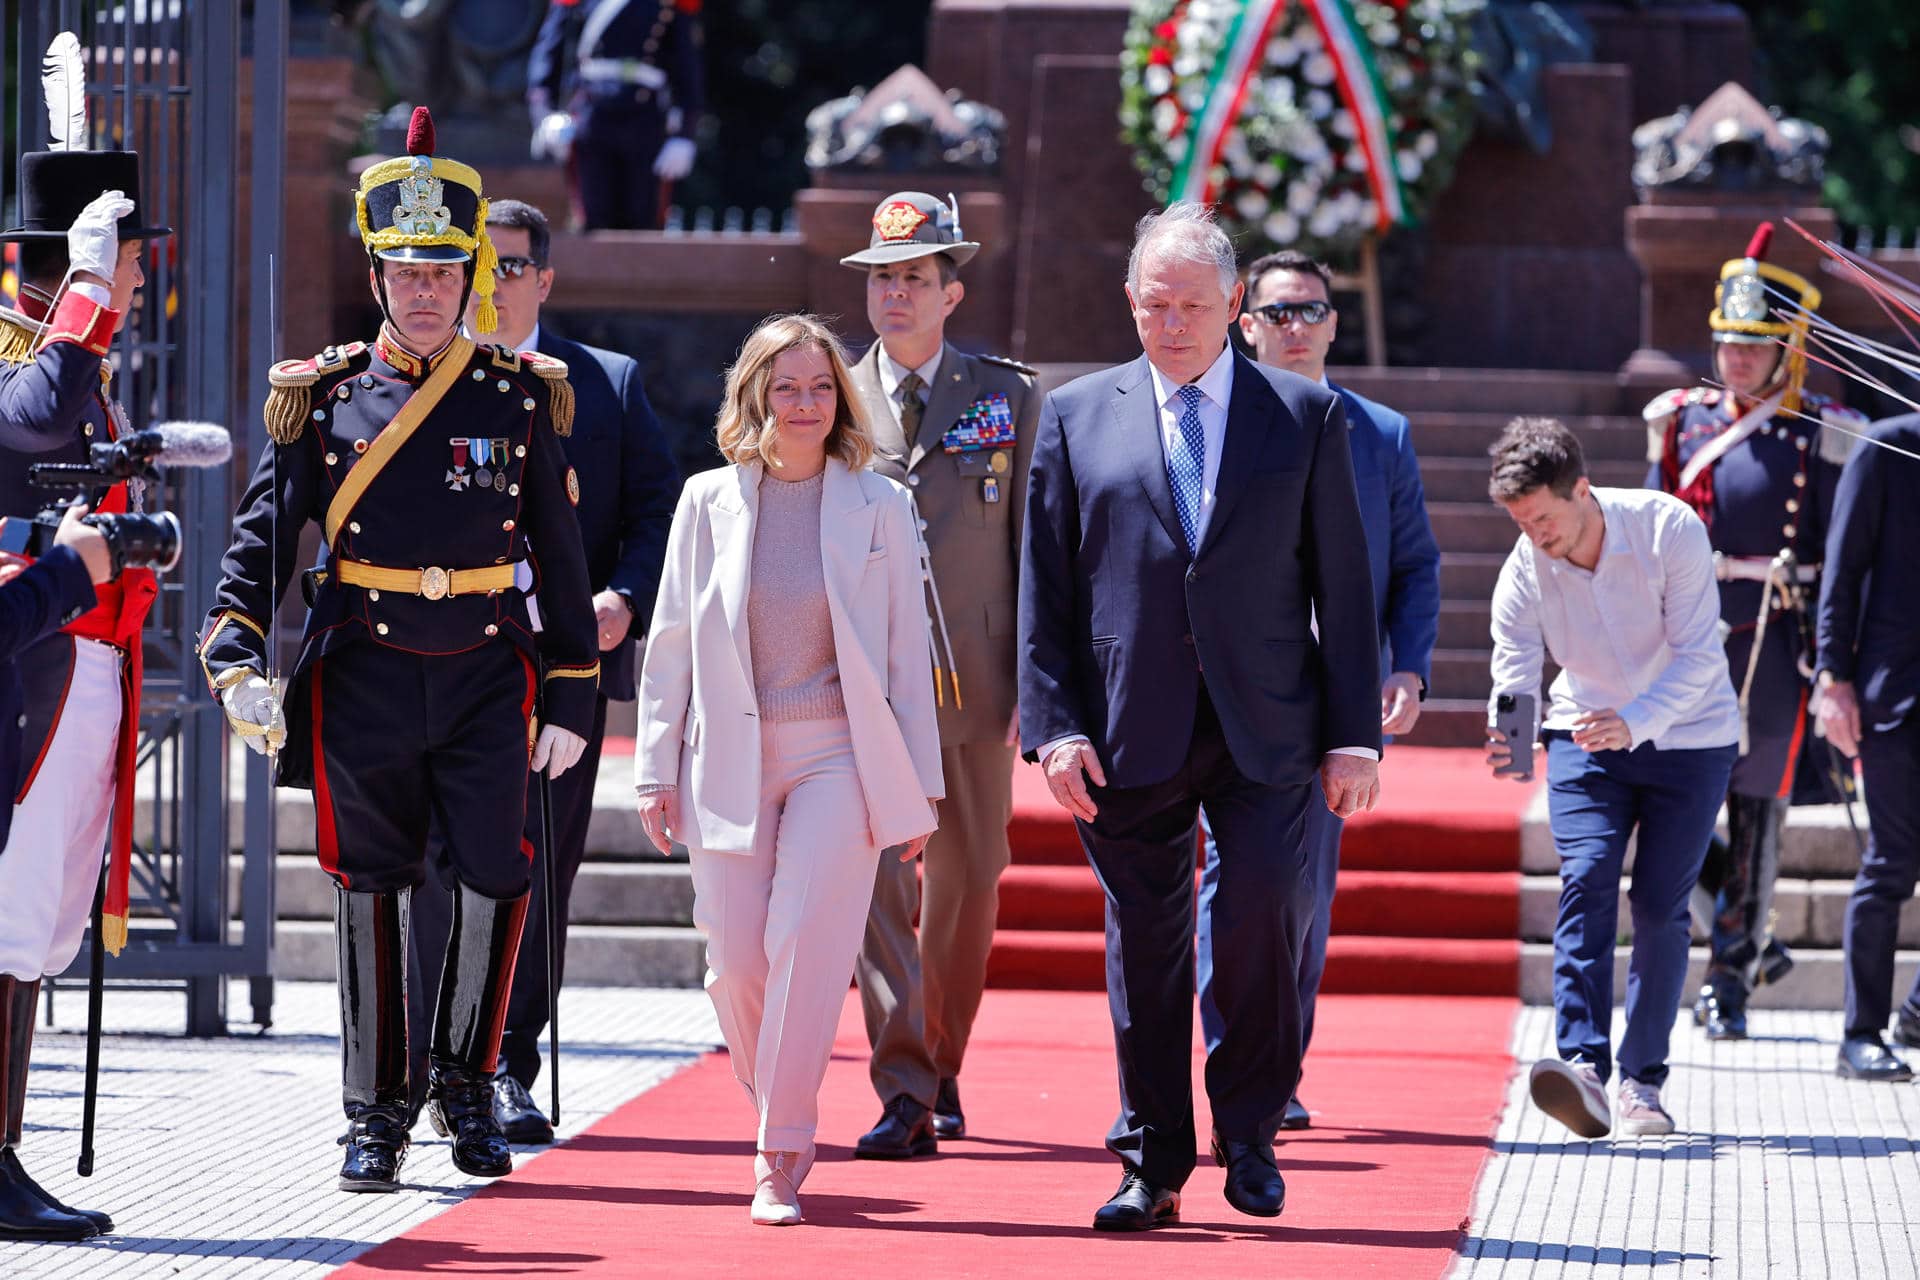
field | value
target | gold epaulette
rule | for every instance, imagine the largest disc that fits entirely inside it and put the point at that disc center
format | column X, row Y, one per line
column 559, row 390
column 17, row 340
column 1840, row 429
column 291, row 397
column 1008, row 362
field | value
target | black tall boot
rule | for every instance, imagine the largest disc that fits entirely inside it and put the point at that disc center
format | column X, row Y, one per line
column 474, row 984
column 25, row 1213
column 1742, row 923
column 371, row 931
column 26, row 996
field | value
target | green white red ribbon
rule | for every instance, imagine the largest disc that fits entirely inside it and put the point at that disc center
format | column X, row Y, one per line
column 1240, row 62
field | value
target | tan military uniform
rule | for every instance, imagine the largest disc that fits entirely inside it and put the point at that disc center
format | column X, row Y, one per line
column 920, row 995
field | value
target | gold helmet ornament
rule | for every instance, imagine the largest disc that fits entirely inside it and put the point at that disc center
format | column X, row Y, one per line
column 426, row 208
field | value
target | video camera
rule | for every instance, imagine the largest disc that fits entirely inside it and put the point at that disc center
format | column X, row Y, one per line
column 134, row 539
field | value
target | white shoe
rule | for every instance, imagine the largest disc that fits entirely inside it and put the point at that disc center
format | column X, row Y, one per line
column 1571, row 1093
column 1641, row 1114
column 776, row 1192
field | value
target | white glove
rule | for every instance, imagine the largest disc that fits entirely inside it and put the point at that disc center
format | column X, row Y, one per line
column 552, row 137
column 675, row 160
column 93, row 241
column 254, row 712
column 557, row 751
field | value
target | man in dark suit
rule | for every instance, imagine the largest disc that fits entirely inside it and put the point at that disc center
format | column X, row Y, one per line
column 628, row 488
column 1869, row 678
column 1189, row 515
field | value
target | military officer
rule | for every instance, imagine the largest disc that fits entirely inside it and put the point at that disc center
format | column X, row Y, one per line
column 82, row 234
column 434, row 466
column 957, row 429
column 1760, row 465
column 618, row 84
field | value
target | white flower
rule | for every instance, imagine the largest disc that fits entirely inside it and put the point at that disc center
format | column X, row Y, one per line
column 1282, row 52
column 1319, row 104
column 1166, row 117
column 1408, row 165
column 1267, row 174
column 1176, row 146
column 1342, row 125
column 1300, row 199
column 1282, row 228
column 1426, row 145
column 1186, row 63
column 1356, row 160
column 1156, row 80
column 1251, row 205
column 1307, row 36
column 1194, row 99
column 1369, row 214
column 1325, row 221
column 1318, row 69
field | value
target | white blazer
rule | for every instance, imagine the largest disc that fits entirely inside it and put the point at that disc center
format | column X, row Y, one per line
column 699, row 718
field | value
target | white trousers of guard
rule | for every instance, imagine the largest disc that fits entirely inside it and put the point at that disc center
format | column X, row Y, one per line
column 51, row 865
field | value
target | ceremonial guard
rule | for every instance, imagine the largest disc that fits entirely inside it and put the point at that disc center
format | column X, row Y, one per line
column 81, row 237
column 957, row 429
column 616, row 87
column 434, row 466
column 1759, row 464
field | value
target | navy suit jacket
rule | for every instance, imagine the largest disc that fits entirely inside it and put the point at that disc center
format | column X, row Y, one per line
column 50, row 594
column 1401, row 553
column 1117, row 621
column 1869, row 621
column 629, row 487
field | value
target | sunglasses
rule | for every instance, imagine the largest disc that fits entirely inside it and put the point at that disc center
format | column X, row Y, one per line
column 1307, row 313
column 515, row 267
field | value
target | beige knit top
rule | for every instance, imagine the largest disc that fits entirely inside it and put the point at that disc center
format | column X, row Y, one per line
column 789, row 631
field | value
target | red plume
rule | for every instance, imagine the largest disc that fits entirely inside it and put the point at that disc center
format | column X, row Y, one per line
column 1762, row 238
column 420, row 136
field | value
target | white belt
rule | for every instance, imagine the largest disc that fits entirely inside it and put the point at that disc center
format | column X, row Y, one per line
column 624, row 71
column 1758, row 569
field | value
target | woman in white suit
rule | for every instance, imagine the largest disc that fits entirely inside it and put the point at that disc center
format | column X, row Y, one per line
column 787, row 730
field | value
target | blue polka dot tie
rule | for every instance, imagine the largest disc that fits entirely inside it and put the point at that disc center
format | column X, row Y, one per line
column 1186, row 465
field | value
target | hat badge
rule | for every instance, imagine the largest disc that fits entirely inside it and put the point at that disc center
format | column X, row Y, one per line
column 1746, row 299
column 422, row 210
column 898, row 221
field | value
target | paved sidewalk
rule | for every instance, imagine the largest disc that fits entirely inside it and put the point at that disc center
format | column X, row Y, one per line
column 1780, row 1169
column 217, row 1157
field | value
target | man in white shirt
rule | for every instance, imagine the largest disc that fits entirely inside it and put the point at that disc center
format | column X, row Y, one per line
column 1640, row 733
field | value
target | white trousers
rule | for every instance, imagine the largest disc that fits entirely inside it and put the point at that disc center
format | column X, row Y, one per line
column 51, row 864
column 784, row 922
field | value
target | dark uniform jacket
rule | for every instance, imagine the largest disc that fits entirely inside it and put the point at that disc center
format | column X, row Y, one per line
column 1771, row 492
column 52, row 593
column 660, row 34
column 629, row 487
column 1869, row 619
column 482, row 482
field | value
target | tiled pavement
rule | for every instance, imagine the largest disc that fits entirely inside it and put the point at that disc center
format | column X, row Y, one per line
column 1780, row 1170
column 216, row 1157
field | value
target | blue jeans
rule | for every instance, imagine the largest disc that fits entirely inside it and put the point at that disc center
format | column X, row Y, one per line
column 1596, row 801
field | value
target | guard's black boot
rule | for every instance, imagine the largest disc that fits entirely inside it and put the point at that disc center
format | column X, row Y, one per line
column 24, row 1211
column 1744, row 950
column 20, row 1036
column 371, row 930
column 1906, row 1025
column 474, row 984
column 1723, row 1000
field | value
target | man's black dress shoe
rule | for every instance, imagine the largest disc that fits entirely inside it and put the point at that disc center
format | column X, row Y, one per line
column 1138, row 1206
column 1906, row 1026
column 905, row 1130
column 10, row 1167
column 376, row 1145
column 949, row 1121
column 516, row 1113
column 1254, row 1185
column 1297, row 1116
column 1868, row 1058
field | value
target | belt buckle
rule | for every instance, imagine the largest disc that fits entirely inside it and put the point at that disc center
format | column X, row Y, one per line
column 435, row 583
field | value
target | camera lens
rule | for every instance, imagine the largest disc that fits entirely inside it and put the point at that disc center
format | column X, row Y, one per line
column 142, row 541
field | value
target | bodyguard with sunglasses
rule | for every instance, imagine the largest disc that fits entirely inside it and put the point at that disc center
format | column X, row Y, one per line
column 1290, row 323
column 628, row 489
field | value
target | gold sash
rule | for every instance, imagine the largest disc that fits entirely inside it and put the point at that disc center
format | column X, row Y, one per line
column 397, row 433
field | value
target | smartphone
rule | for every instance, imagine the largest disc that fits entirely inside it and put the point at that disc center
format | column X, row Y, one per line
column 1513, row 716
column 16, row 535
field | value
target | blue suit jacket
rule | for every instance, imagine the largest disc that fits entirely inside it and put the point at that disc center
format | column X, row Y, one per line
column 1401, row 552
column 1117, row 621
column 50, row 594
column 1869, row 620
column 629, row 487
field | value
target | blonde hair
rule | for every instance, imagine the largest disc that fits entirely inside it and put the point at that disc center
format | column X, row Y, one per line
column 745, row 427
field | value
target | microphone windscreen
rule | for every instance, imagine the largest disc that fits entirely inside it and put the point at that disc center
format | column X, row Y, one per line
column 193, row 444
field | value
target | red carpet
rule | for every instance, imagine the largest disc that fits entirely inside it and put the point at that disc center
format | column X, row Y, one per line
column 1382, row 1187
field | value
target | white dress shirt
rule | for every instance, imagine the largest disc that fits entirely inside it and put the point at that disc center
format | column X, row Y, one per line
column 1638, row 634
column 1216, row 392
column 893, row 373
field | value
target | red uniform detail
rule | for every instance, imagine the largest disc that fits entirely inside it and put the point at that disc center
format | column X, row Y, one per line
column 329, row 851
column 420, row 133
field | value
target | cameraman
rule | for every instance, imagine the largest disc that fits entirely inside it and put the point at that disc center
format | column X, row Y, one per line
column 1618, row 585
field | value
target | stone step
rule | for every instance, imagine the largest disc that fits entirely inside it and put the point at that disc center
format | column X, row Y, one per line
column 1816, row 845
column 598, row 955
column 1461, row 674
column 655, row 891
column 1435, row 390
column 1466, row 624
column 1449, row 722
column 1471, row 526
column 1470, row 575
column 1807, row 913
column 1818, row 980
column 1464, row 480
column 1468, row 435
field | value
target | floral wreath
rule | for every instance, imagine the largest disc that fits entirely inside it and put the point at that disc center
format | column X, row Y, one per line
column 1311, row 124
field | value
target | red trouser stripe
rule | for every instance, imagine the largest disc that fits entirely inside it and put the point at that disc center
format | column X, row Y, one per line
column 323, row 798
column 1793, row 748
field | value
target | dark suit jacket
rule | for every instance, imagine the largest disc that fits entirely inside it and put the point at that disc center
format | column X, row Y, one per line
column 629, row 487
column 1401, row 553
column 50, row 594
column 1869, row 622
column 1117, row 622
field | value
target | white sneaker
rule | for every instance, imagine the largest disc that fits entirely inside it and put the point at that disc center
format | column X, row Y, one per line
column 1571, row 1093
column 776, row 1192
column 1641, row 1114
